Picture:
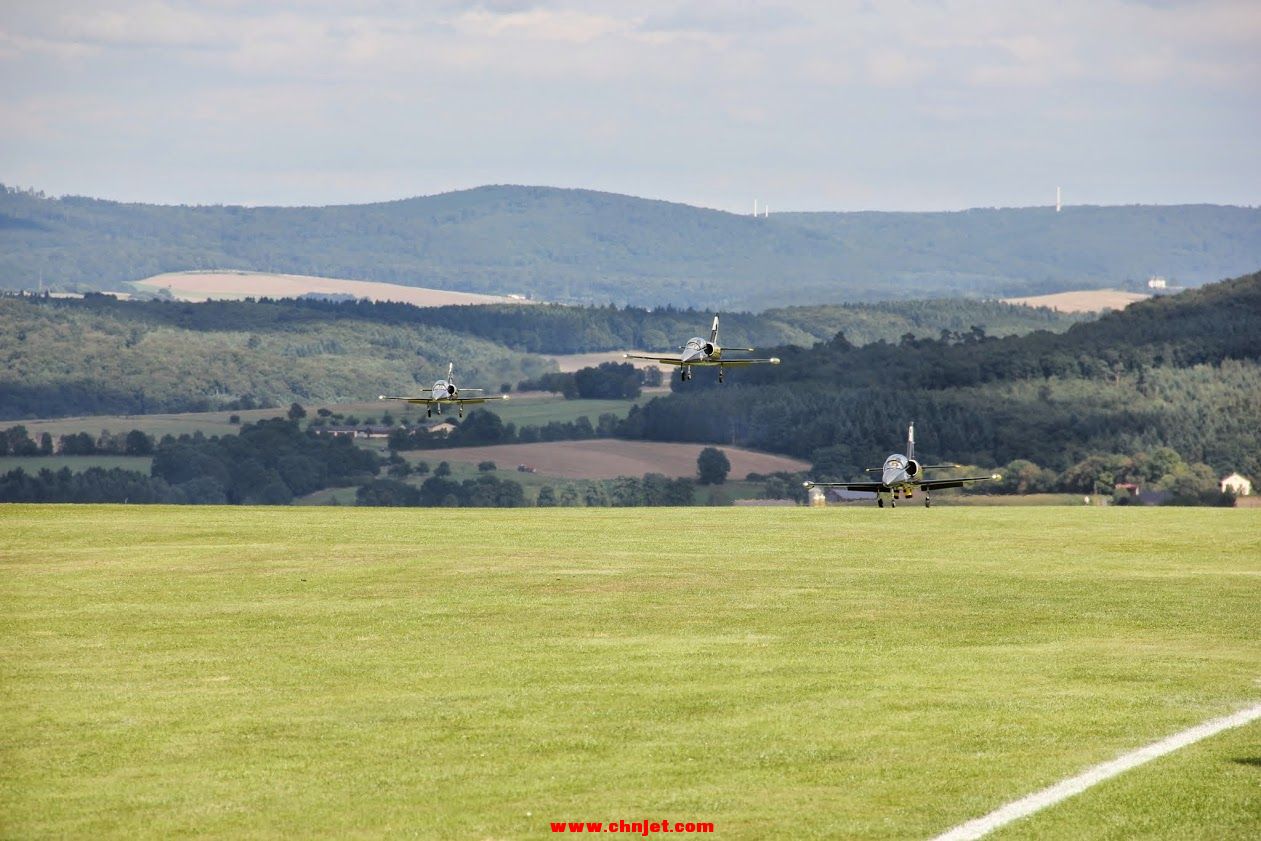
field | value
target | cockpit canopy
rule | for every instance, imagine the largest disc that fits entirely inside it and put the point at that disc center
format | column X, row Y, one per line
column 697, row 343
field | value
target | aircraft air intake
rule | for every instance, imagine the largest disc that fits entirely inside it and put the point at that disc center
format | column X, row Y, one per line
column 451, row 389
column 709, row 349
column 912, row 467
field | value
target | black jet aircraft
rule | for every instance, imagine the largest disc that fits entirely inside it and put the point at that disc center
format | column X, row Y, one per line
column 697, row 351
column 902, row 476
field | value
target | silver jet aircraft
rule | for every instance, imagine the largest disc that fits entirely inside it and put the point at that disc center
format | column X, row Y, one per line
column 700, row 352
column 448, row 393
column 902, row 475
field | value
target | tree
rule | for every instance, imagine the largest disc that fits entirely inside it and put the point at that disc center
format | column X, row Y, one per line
column 547, row 497
column 138, row 444
column 443, row 469
column 486, row 466
column 296, row 412
column 387, row 492
column 712, row 466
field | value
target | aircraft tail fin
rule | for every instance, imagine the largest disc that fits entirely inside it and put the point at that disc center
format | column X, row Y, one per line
column 713, row 332
column 450, row 371
column 910, row 441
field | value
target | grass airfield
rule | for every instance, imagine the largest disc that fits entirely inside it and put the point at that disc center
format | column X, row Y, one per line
column 268, row 672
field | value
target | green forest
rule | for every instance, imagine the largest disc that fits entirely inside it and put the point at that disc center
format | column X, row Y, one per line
column 100, row 355
column 581, row 246
column 1181, row 372
column 1165, row 394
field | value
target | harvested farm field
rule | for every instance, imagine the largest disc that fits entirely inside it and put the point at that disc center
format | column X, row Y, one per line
column 605, row 458
column 202, row 286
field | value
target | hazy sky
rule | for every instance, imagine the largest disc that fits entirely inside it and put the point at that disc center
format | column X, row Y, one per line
column 807, row 105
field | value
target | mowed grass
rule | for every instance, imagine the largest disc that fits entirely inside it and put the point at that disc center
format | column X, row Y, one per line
column 77, row 464
column 534, row 409
column 845, row 672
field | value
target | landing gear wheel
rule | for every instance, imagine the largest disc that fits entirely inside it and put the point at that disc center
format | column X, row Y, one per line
column 429, row 413
column 879, row 502
column 893, row 503
column 928, row 503
column 720, row 376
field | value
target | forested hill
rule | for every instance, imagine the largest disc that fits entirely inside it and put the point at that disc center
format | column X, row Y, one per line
column 590, row 247
column 1182, row 371
column 100, row 354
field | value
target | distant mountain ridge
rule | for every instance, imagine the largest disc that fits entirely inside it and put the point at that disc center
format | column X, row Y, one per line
column 582, row 246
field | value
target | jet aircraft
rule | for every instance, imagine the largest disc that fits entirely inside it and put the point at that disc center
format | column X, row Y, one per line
column 446, row 392
column 700, row 352
column 902, row 475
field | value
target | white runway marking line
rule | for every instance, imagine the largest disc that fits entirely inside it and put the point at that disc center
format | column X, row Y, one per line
column 1076, row 785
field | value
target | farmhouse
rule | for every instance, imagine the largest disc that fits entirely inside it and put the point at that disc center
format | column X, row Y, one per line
column 359, row 431
column 1237, row 485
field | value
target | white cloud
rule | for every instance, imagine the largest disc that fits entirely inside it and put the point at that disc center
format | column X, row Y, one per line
column 542, row 24
column 822, row 98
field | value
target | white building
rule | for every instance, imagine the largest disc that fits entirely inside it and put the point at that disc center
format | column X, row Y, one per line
column 1236, row 484
column 1157, row 282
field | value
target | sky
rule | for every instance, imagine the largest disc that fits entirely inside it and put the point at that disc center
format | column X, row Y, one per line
column 800, row 104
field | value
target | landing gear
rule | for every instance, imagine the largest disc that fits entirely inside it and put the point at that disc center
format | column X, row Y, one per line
column 429, row 413
column 461, row 411
column 928, row 502
column 880, row 502
column 893, row 503
column 685, row 374
column 720, row 375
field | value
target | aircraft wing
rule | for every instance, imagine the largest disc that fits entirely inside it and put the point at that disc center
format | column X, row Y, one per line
column 423, row 401
column 429, row 401
column 732, row 363
column 664, row 360
column 849, row 486
column 479, row 399
column 935, row 484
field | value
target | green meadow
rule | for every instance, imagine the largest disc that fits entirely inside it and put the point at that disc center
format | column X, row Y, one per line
column 781, row 673
column 77, row 464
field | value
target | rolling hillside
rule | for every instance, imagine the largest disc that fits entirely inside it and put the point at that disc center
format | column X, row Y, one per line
column 98, row 355
column 1180, row 371
column 105, row 357
column 589, row 247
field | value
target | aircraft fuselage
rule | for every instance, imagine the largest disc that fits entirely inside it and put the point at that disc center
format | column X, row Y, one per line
column 900, row 475
column 445, row 391
column 698, row 351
